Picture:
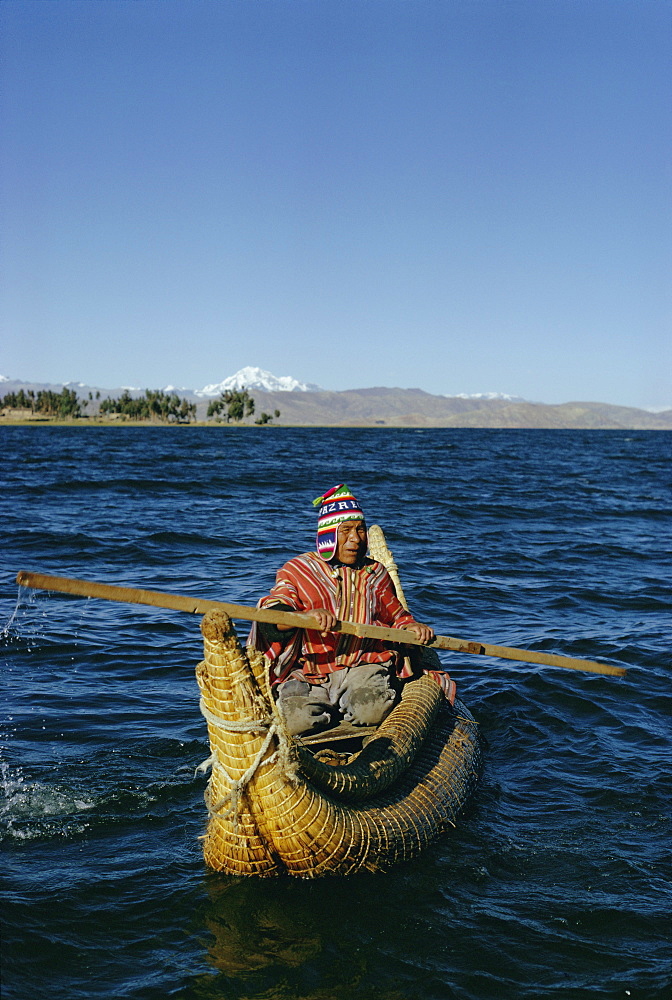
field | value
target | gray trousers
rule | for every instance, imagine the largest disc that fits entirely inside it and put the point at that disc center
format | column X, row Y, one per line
column 363, row 695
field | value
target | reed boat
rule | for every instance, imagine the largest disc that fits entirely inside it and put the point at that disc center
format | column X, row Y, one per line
column 347, row 800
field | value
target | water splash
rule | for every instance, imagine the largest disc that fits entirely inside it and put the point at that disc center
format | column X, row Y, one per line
column 31, row 809
column 21, row 592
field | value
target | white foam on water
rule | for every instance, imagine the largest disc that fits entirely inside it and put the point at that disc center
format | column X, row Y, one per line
column 26, row 805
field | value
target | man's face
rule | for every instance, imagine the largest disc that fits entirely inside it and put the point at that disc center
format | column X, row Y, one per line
column 351, row 542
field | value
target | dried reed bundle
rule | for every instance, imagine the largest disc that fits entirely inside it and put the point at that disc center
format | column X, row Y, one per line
column 379, row 551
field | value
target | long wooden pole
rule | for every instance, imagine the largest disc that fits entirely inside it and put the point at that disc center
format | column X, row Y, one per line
column 199, row 606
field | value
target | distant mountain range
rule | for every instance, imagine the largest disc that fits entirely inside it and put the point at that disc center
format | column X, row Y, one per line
column 306, row 404
column 251, row 378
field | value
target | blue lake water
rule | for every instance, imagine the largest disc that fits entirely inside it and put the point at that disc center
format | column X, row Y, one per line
column 556, row 883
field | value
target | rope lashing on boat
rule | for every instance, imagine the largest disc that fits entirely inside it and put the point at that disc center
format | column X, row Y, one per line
column 470, row 722
column 281, row 754
column 235, row 725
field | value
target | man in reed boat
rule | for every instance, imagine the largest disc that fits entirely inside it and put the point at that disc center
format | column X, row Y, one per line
column 320, row 677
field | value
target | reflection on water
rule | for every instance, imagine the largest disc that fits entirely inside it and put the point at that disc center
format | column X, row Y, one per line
column 284, row 939
column 254, row 927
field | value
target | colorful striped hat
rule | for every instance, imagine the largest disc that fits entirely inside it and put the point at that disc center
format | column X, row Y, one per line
column 337, row 505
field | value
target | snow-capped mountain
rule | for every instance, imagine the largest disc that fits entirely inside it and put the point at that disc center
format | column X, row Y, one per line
column 260, row 381
column 484, row 395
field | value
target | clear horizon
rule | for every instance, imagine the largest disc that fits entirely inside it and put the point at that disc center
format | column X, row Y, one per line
column 464, row 198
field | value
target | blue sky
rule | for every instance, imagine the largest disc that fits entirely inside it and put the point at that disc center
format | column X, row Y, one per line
column 460, row 195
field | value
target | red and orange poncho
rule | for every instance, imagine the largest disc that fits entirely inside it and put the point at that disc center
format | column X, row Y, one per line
column 363, row 594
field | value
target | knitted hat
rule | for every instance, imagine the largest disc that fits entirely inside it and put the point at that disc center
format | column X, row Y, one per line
column 337, row 505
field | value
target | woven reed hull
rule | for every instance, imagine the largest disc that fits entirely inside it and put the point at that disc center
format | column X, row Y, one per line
column 283, row 822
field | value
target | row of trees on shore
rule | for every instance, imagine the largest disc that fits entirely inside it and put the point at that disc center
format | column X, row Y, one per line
column 154, row 405
column 232, row 406
column 65, row 404
column 235, row 404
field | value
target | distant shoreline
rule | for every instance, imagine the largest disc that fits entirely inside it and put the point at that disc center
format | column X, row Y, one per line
column 30, row 403
column 95, row 422
column 379, row 425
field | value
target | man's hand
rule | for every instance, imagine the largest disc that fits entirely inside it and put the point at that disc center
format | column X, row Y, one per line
column 324, row 620
column 424, row 633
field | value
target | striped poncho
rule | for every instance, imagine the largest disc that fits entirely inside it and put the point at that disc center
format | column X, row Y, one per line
column 363, row 594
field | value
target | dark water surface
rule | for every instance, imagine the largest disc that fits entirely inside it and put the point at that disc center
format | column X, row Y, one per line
column 557, row 881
